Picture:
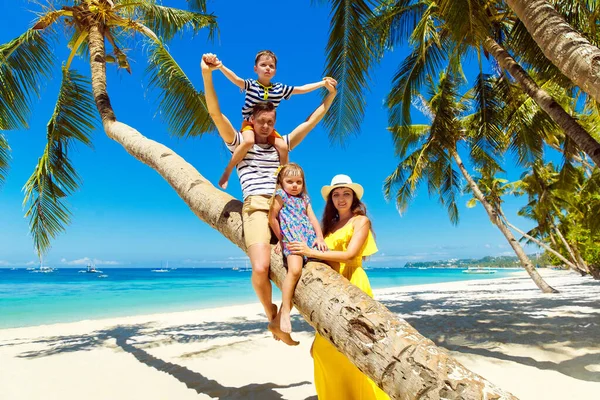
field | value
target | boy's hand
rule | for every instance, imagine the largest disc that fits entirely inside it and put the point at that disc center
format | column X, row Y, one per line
column 210, row 62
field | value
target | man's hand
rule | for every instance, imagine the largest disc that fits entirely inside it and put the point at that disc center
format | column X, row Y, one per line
column 330, row 84
column 210, row 62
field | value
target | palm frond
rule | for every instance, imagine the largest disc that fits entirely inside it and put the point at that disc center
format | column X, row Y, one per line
column 4, row 158
column 350, row 55
column 54, row 177
column 394, row 21
column 484, row 127
column 182, row 107
column 197, row 5
column 165, row 22
column 426, row 60
column 466, row 20
column 25, row 63
column 406, row 137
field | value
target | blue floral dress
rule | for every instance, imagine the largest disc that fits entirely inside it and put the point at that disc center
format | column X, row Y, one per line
column 293, row 221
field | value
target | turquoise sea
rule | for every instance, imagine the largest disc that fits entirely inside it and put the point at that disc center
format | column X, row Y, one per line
column 66, row 295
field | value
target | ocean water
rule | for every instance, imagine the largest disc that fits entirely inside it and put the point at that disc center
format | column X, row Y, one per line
column 66, row 295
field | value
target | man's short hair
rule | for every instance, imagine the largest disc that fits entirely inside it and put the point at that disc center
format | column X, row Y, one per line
column 267, row 53
column 262, row 107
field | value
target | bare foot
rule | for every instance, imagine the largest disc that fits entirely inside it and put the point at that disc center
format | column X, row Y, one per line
column 223, row 181
column 284, row 322
column 285, row 337
column 271, row 316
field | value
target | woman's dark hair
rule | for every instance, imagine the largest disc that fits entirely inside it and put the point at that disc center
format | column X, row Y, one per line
column 331, row 216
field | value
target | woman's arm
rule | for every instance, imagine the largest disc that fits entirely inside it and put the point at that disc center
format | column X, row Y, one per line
column 361, row 224
column 317, row 227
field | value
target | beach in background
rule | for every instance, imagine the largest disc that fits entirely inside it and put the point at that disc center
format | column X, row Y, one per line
column 535, row 345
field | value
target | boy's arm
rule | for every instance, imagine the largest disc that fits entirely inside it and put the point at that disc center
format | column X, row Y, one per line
column 236, row 80
column 302, row 130
column 274, row 216
column 309, row 87
column 208, row 64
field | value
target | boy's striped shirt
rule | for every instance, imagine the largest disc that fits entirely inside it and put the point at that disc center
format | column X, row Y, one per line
column 257, row 170
column 255, row 93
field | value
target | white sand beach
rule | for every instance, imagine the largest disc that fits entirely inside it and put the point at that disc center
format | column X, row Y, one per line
column 534, row 345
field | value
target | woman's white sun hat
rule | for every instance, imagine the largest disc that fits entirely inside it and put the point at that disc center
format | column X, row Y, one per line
column 342, row 180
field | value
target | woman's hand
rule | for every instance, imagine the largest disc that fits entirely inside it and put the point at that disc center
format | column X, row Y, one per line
column 299, row 248
column 321, row 245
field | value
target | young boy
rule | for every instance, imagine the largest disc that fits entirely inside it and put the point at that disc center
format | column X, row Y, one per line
column 257, row 91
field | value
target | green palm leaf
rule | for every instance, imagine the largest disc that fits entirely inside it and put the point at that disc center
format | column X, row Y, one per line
column 350, row 55
column 395, row 20
column 165, row 22
column 197, row 5
column 4, row 158
column 25, row 63
column 54, row 177
column 182, row 107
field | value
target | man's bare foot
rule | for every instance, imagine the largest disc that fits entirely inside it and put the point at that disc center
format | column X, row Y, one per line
column 271, row 316
column 284, row 322
column 224, row 180
column 285, row 337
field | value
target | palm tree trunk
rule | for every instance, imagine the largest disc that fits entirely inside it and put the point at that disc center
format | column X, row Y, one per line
column 580, row 259
column 403, row 363
column 568, row 247
column 573, row 54
column 543, row 245
column 495, row 218
column 568, row 124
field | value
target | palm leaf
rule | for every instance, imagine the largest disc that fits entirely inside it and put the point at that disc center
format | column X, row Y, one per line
column 165, row 22
column 182, row 107
column 350, row 54
column 197, row 5
column 394, row 21
column 54, row 177
column 25, row 63
column 4, row 158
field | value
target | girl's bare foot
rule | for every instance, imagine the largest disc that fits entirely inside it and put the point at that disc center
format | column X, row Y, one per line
column 271, row 316
column 283, row 336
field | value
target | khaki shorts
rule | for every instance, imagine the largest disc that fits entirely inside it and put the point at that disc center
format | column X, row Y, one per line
column 255, row 219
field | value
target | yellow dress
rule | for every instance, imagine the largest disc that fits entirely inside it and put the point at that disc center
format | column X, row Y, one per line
column 336, row 378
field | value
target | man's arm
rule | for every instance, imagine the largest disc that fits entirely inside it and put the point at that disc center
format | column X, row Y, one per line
column 229, row 74
column 302, row 130
column 209, row 63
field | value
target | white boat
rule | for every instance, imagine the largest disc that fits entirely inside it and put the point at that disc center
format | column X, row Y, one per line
column 42, row 269
column 479, row 270
column 91, row 269
column 103, row 276
column 161, row 269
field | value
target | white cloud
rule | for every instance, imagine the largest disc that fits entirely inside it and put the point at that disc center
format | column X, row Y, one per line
column 4, row 263
column 88, row 260
column 487, row 246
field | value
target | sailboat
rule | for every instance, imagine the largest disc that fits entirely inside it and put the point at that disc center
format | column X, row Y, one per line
column 161, row 269
column 43, row 269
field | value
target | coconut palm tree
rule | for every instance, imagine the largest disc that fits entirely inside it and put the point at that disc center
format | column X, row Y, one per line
column 568, row 49
column 494, row 189
column 430, row 26
column 430, row 152
column 26, row 62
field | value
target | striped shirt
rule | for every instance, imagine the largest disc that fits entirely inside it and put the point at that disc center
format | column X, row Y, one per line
column 257, row 170
column 255, row 93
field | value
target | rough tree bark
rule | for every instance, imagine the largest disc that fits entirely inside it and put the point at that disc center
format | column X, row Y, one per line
column 567, row 123
column 573, row 54
column 495, row 218
column 403, row 363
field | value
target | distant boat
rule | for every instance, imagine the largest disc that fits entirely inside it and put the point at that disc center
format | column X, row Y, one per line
column 103, row 276
column 91, row 269
column 422, row 268
column 161, row 269
column 479, row 270
column 42, row 269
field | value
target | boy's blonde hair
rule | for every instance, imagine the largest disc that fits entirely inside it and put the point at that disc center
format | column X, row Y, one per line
column 267, row 53
column 291, row 169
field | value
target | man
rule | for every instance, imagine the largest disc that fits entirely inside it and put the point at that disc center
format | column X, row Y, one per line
column 257, row 178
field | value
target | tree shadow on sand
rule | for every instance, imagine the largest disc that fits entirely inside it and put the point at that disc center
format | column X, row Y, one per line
column 133, row 339
column 478, row 322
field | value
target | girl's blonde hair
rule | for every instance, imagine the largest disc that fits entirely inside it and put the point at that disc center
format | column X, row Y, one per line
column 291, row 169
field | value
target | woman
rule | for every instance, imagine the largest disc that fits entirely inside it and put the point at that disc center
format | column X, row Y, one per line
column 348, row 236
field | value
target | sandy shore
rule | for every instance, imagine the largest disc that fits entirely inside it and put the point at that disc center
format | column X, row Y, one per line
column 534, row 345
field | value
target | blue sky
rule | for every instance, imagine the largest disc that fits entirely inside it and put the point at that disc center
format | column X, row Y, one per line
column 125, row 215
